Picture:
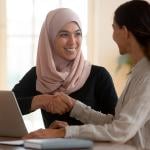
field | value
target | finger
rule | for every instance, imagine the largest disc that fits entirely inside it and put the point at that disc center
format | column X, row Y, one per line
column 30, row 136
column 59, row 106
column 58, row 124
column 53, row 125
column 59, row 110
column 67, row 99
column 62, row 124
column 49, row 106
column 36, row 134
column 64, row 109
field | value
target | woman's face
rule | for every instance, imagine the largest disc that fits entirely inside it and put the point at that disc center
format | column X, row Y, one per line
column 120, row 37
column 68, row 41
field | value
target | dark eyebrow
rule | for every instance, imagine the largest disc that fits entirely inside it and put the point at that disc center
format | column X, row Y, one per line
column 65, row 31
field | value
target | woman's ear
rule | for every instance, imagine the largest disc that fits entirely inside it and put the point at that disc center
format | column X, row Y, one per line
column 126, row 31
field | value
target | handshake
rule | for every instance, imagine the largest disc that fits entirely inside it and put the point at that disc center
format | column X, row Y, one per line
column 59, row 103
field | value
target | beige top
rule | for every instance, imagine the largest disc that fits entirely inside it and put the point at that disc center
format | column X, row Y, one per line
column 131, row 123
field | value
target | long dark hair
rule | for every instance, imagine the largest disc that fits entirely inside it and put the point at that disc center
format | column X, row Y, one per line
column 135, row 15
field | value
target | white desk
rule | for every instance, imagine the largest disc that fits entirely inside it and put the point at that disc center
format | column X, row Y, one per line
column 112, row 146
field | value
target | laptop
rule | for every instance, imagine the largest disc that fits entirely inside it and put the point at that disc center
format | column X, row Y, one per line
column 11, row 120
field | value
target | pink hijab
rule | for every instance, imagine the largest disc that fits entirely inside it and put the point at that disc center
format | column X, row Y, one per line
column 72, row 74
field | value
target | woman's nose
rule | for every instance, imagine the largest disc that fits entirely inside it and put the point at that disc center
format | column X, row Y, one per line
column 72, row 39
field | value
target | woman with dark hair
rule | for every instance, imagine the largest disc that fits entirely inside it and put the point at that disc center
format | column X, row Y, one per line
column 131, row 124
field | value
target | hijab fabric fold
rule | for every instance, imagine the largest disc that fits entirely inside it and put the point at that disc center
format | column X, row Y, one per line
column 73, row 74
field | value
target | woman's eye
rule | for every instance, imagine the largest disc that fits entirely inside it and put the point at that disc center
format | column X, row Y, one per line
column 63, row 35
column 78, row 34
column 67, row 35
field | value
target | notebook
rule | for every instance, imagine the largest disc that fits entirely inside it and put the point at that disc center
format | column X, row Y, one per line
column 11, row 120
column 58, row 143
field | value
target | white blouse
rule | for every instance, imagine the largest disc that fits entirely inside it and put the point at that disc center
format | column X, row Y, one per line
column 131, row 123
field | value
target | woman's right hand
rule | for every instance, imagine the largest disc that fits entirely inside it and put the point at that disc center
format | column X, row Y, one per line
column 58, row 124
column 59, row 103
column 39, row 101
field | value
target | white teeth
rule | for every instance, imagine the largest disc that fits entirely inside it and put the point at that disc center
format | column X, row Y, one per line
column 70, row 49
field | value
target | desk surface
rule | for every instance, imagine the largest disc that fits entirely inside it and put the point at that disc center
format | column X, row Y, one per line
column 112, row 146
column 97, row 146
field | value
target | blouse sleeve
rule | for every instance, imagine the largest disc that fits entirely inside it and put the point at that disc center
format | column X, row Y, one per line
column 132, row 117
column 96, row 117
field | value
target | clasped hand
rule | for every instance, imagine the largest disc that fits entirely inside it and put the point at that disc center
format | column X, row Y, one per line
column 59, row 103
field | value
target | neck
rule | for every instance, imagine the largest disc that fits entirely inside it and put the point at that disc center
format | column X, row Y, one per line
column 136, row 57
column 135, row 52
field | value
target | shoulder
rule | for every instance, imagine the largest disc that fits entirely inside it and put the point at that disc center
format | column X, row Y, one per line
column 100, row 72
column 33, row 69
column 31, row 73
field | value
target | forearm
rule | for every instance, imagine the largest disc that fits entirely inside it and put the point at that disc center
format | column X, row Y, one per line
column 85, row 114
column 61, row 133
column 36, row 103
column 116, row 132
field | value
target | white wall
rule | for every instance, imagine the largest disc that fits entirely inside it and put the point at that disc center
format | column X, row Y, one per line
column 103, row 50
column 2, row 45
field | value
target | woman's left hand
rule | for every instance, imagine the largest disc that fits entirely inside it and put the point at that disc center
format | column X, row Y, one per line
column 46, row 133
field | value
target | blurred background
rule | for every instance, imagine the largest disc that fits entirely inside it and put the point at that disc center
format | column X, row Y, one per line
column 20, row 24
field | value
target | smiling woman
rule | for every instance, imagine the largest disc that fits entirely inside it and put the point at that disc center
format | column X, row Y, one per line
column 62, row 73
column 19, row 40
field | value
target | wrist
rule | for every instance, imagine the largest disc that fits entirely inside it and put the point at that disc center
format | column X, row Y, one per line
column 61, row 132
column 35, row 103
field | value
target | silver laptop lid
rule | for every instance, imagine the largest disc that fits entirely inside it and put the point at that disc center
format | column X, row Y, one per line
column 11, row 120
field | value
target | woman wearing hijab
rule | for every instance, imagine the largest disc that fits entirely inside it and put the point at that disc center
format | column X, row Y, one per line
column 131, row 123
column 62, row 73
